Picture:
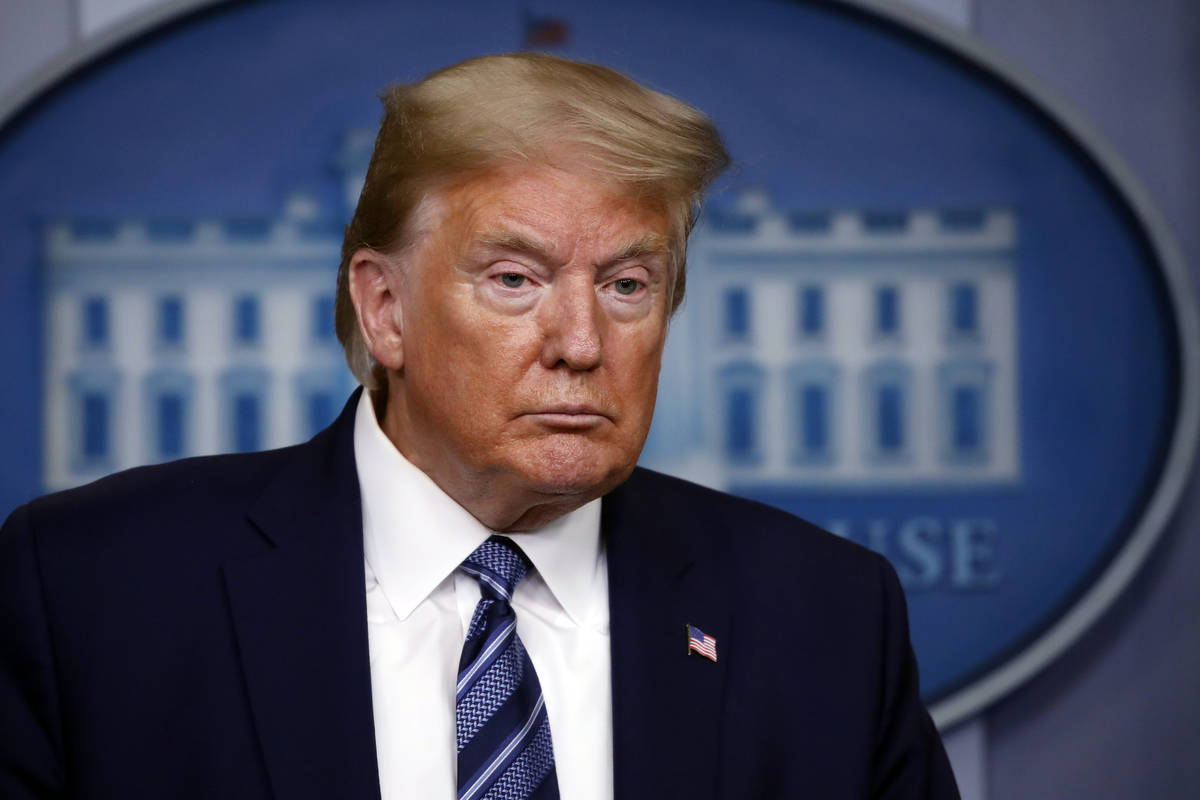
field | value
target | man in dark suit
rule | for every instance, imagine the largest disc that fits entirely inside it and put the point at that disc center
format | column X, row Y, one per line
column 201, row 629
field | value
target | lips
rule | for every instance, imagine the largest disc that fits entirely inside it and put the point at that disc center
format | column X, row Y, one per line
column 575, row 416
column 572, row 408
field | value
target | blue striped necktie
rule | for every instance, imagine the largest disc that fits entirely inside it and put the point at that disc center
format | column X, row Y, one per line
column 504, row 747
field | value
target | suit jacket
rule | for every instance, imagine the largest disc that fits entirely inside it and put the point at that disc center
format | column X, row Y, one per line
column 198, row 629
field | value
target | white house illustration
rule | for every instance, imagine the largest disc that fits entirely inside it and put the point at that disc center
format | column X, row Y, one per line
column 828, row 348
column 166, row 340
column 849, row 348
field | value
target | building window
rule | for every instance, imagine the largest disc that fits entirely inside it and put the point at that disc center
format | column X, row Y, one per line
column 736, row 314
column 887, row 395
column 170, row 435
column 94, row 419
column 742, row 390
column 814, row 414
column 964, row 310
column 811, row 389
column 965, row 389
column 170, row 321
column 168, row 396
column 812, row 311
column 245, row 397
column 966, row 423
column 740, row 433
column 247, row 422
column 322, row 319
column 246, row 320
column 887, row 311
column 95, row 322
column 889, row 410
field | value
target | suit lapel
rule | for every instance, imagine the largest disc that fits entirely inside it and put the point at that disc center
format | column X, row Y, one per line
column 666, row 703
column 300, row 617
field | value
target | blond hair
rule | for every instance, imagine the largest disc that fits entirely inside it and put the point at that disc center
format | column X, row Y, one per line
column 491, row 111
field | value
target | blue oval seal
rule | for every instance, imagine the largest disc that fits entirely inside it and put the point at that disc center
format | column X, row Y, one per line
column 930, row 310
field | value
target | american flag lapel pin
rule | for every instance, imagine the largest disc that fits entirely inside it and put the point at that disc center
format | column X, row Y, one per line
column 700, row 642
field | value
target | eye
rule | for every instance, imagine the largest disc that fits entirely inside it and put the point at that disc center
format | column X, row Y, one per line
column 627, row 285
column 512, row 280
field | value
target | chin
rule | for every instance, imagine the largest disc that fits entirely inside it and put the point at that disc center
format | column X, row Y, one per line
column 572, row 468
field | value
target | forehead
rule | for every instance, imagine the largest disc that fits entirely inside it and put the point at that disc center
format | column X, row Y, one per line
column 555, row 206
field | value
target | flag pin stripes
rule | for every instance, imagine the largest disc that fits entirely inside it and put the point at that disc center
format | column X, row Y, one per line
column 700, row 642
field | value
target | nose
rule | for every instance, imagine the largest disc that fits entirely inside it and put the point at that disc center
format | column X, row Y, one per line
column 570, row 322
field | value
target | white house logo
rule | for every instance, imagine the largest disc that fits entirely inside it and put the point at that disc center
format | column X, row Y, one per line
column 918, row 314
column 850, row 348
column 845, row 349
column 180, row 338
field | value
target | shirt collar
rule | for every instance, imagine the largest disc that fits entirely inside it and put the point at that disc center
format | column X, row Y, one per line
column 414, row 534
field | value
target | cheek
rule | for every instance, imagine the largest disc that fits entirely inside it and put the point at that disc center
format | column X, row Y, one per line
column 648, row 393
column 471, row 365
column 638, row 374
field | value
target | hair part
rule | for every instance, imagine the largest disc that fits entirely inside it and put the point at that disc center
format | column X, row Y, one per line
column 495, row 111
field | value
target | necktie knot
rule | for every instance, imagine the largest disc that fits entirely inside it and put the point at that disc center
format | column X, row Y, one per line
column 499, row 565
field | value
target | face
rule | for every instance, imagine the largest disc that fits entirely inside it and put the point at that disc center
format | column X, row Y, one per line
column 531, row 317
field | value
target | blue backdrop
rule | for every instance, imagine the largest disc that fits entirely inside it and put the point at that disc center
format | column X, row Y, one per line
column 225, row 113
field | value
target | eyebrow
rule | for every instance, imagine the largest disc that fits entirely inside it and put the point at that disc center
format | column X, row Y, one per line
column 511, row 240
column 650, row 244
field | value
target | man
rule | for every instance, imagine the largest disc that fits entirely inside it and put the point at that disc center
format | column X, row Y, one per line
column 201, row 629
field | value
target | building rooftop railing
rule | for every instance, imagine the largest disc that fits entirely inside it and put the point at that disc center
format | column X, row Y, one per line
column 754, row 222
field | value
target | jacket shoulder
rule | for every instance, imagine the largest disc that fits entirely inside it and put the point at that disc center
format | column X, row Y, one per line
column 160, row 503
column 754, row 534
column 169, row 484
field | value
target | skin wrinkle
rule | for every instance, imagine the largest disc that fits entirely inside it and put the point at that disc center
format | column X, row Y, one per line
column 522, row 402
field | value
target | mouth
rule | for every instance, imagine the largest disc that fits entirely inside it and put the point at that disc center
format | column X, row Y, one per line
column 569, row 417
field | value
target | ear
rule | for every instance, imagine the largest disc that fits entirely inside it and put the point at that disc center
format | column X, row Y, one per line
column 374, row 285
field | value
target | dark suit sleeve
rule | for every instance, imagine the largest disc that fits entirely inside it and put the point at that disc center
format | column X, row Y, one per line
column 30, row 737
column 910, row 761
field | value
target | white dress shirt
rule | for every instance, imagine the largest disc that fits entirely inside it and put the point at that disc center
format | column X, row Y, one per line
column 419, row 607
